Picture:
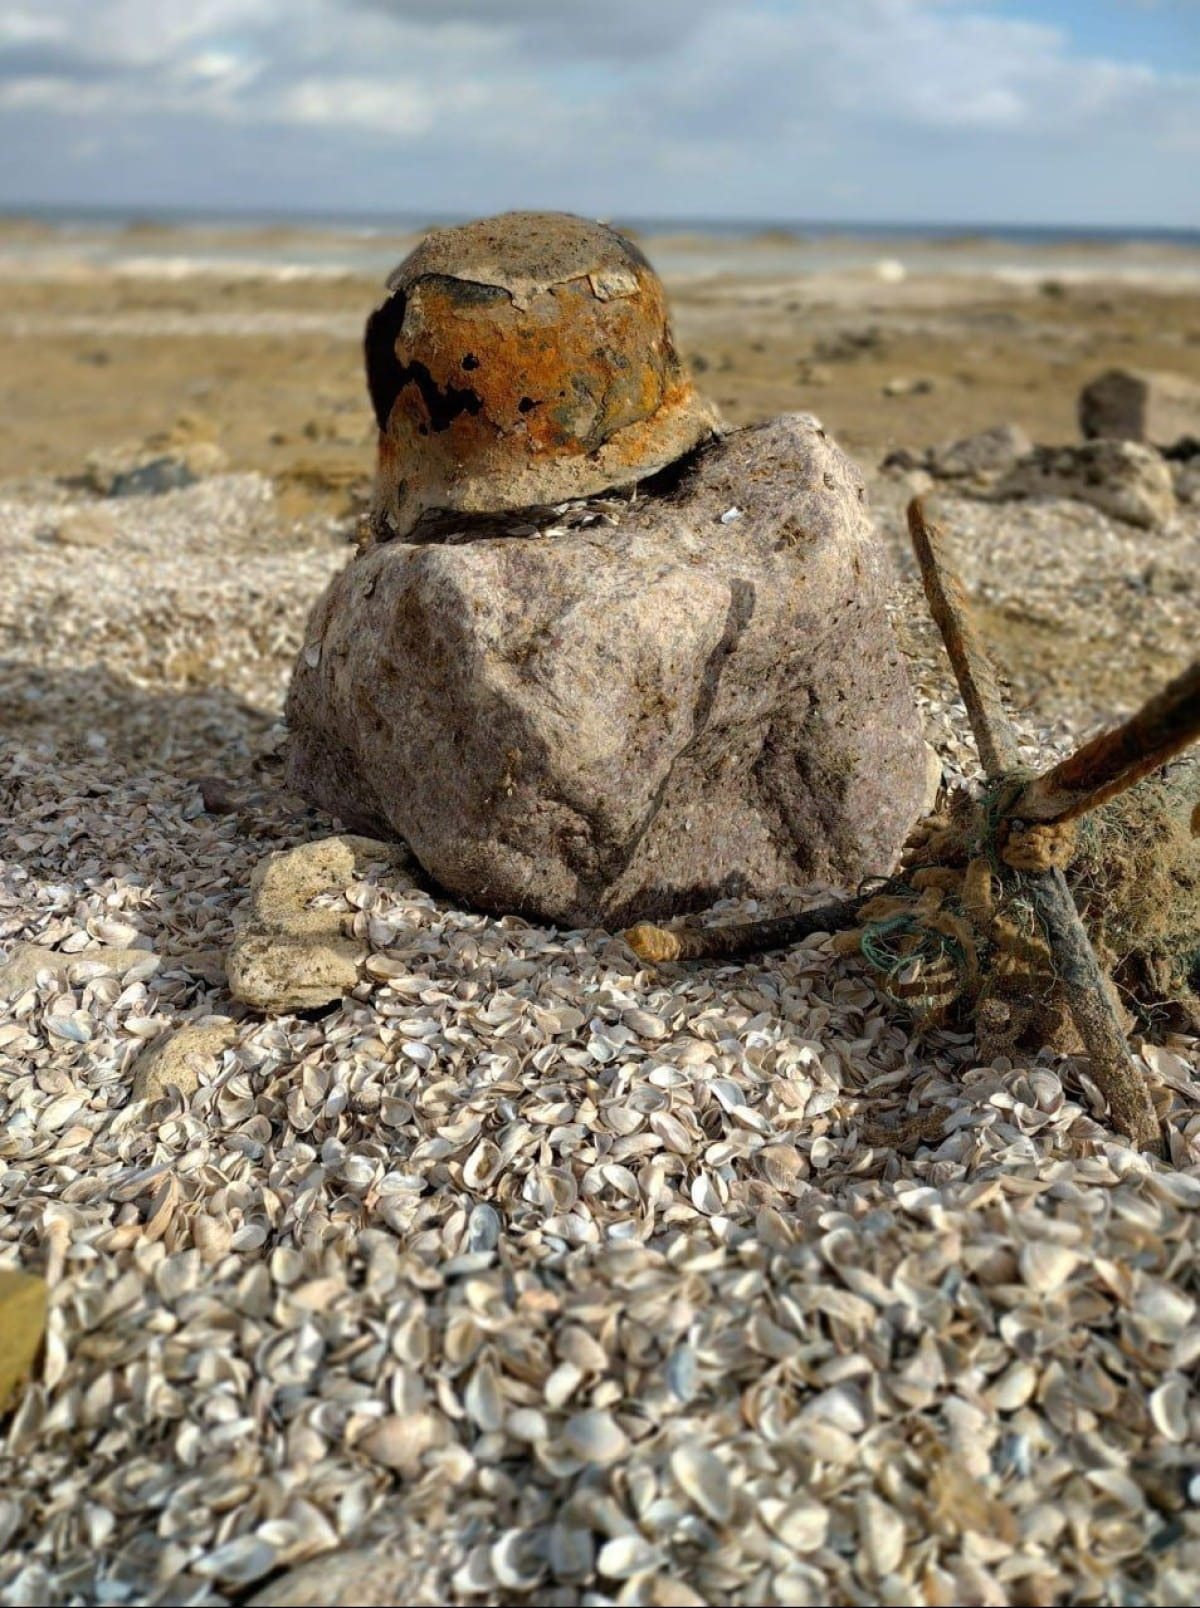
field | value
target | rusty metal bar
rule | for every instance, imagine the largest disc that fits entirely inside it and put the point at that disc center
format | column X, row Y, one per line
column 1109, row 764
column 994, row 733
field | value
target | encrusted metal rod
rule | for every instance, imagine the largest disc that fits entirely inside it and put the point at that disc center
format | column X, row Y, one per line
column 1158, row 729
column 994, row 734
column 653, row 943
column 1090, row 1001
column 1109, row 764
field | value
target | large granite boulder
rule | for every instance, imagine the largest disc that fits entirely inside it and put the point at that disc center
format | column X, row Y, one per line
column 595, row 724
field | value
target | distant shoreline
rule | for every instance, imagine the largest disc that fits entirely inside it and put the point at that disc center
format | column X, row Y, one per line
column 767, row 231
column 52, row 244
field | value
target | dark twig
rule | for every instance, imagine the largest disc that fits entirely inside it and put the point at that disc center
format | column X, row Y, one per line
column 994, row 734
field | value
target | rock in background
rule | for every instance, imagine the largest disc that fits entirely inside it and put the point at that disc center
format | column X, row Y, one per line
column 1136, row 405
column 1123, row 478
column 585, row 726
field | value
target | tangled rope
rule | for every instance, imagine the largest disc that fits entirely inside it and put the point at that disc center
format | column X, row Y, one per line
column 958, row 937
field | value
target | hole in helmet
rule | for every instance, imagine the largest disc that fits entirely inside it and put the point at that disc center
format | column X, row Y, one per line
column 384, row 369
column 442, row 404
column 527, row 405
column 387, row 376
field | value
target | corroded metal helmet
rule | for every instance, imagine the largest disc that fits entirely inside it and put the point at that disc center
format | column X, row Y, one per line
column 523, row 360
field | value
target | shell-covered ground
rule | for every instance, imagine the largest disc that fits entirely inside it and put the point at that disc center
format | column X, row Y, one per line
column 565, row 1280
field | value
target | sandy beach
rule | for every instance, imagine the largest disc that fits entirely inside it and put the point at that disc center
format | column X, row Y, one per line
column 556, row 1278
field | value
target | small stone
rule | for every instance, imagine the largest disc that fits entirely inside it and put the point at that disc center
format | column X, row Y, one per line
column 358, row 1577
column 22, row 1328
column 86, row 527
column 905, row 385
column 275, row 971
column 902, row 460
column 167, row 461
column 27, row 961
column 989, row 452
column 287, row 956
column 1186, row 478
column 177, row 1059
column 153, row 478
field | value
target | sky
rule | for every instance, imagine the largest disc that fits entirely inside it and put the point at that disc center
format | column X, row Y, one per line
column 920, row 111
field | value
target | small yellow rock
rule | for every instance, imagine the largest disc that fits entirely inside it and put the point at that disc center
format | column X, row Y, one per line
column 652, row 943
column 177, row 1059
column 22, row 1327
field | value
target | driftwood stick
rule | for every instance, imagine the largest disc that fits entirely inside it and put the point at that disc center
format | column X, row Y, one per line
column 1091, row 1004
column 1109, row 764
column 994, row 734
column 748, row 938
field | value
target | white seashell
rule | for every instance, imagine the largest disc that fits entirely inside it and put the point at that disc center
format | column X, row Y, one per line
column 1168, row 1408
column 1014, row 1387
column 475, row 1577
column 595, row 1437
column 1045, row 1266
column 881, row 1532
column 117, row 934
column 1164, row 1312
column 239, row 1561
column 562, row 1384
column 514, row 1562
column 482, row 1164
column 627, row 1555
column 644, row 1024
column 575, row 1345
column 385, row 966
column 527, row 1424
column 483, row 1228
column 705, row 1479
column 801, row 1525
column 399, row 1441
column 682, row 1374
column 75, row 1027
column 840, row 1408
column 483, row 1400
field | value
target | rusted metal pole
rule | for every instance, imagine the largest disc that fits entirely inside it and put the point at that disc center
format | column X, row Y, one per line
column 1109, row 764
column 1159, row 727
column 1088, row 996
column 994, row 734
column 659, row 944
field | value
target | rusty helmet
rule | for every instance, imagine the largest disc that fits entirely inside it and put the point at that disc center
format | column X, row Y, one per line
column 523, row 360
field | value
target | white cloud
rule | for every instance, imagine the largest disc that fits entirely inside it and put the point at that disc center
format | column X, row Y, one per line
column 399, row 106
column 690, row 106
